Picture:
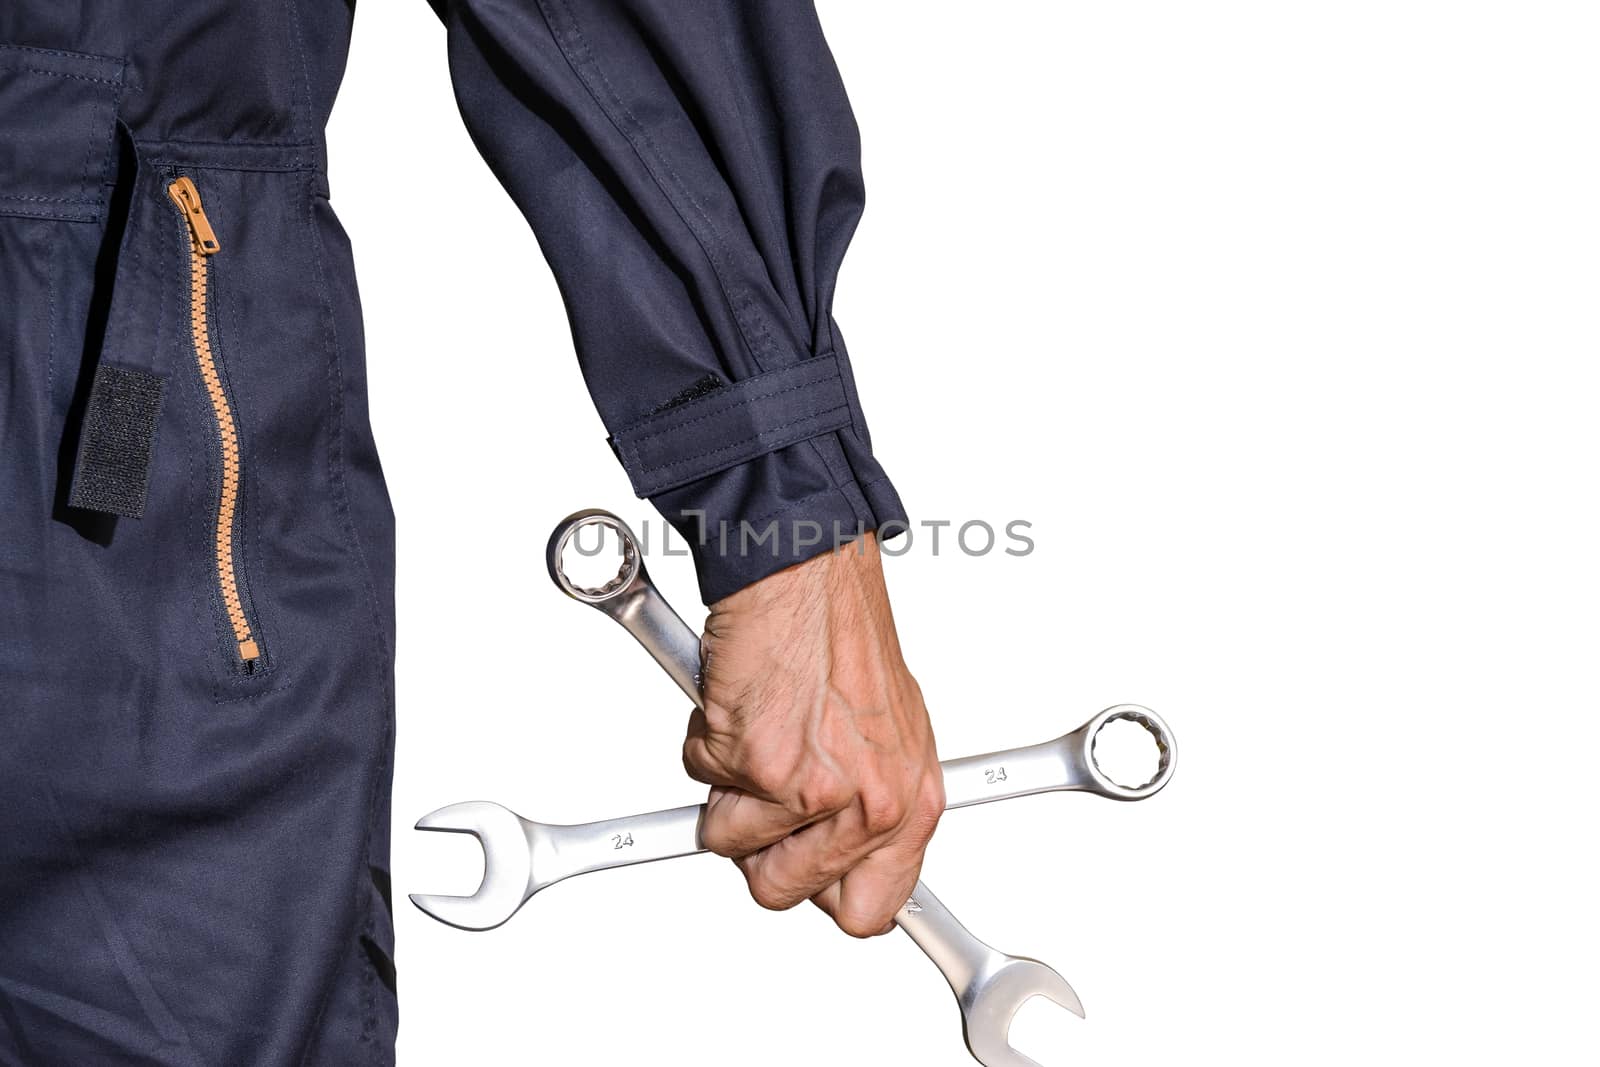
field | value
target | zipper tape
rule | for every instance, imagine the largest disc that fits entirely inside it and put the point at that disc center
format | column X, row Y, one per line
column 203, row 244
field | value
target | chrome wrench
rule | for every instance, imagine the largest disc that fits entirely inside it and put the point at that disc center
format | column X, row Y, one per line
column 521, row 857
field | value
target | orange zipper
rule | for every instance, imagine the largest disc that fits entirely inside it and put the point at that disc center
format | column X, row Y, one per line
column 203, row 245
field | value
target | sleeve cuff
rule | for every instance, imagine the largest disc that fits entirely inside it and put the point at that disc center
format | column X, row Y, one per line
column 733, row 424
column 763, row 473
column 739, row 537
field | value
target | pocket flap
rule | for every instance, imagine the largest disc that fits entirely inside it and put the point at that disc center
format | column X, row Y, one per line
column 58, row 116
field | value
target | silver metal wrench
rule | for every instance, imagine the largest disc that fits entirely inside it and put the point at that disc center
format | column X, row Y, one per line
column 521, row 857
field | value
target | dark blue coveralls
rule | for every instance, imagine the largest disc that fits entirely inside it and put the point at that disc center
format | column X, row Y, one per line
column 196, row 549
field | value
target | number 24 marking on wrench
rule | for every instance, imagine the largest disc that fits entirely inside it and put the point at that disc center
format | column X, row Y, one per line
column 994, row 775
column 621, row 841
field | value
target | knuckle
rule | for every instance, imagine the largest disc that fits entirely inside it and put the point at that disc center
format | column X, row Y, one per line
column 883, row 808
column 821, row 792
column 929, row 805
column 861, row 922
column 726, row 828
column 718, row 842
column 766, row 778
column 770, row 895
column 915, row 688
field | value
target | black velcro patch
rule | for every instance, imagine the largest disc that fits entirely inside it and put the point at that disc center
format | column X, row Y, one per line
column 119, row 432
column 702, row 387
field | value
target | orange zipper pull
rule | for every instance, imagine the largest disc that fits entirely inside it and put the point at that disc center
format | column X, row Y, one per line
column 187, row 197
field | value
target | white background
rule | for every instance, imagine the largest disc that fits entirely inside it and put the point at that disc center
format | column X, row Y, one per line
column 1278, row 321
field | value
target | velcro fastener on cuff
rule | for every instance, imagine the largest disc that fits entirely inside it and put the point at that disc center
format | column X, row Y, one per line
column 734, row 425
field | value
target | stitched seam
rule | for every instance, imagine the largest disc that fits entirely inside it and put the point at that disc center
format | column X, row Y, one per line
column 297, row 33
column 92, row 119
column 869, row 483
column 746, row 443
column 88, row 140
column 63, row 215
column 830, row 491
column 54, row 199
column 794, row 505
column 133, row 286
column 334, row 350
column 63, row 74
column 131, row 252
column 259, row 168
column 58, row 52
column 109, row 152
column 50, row 351
column 638, row 442
column 204, row 142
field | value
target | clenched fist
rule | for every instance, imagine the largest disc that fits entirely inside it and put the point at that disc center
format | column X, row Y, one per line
column 816, row 743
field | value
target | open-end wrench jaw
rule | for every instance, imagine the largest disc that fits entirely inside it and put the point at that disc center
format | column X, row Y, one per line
column 993, row 1001
column 508, row 882
column 990, row 986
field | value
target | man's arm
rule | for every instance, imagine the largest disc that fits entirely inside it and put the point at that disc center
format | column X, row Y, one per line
column 691, row 169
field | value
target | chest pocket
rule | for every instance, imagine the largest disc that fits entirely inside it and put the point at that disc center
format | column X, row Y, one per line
column 58, row 115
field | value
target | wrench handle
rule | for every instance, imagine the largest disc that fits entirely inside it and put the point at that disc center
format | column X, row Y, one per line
column 1014, row 772
column 1066, row 764
column 646, row 615
column 630, row 598
column 959, row 955
column 579, row 848
column 596, row 846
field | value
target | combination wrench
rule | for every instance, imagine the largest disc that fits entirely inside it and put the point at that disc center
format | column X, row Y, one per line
column 523, row 857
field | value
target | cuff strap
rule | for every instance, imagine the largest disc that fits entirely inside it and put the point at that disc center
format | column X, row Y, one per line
column 734, row 425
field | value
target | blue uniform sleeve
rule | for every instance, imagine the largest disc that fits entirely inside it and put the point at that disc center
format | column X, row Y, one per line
column 691, row 169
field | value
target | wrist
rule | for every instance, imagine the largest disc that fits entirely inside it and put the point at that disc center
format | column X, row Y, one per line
column 855, row 564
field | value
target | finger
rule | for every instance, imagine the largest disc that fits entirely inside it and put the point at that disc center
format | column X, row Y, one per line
column 866, row 901
column 737, row 824
column 699, row 762
column 802, row 864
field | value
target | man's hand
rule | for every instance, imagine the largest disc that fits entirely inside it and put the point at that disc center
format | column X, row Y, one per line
column 816, row 743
